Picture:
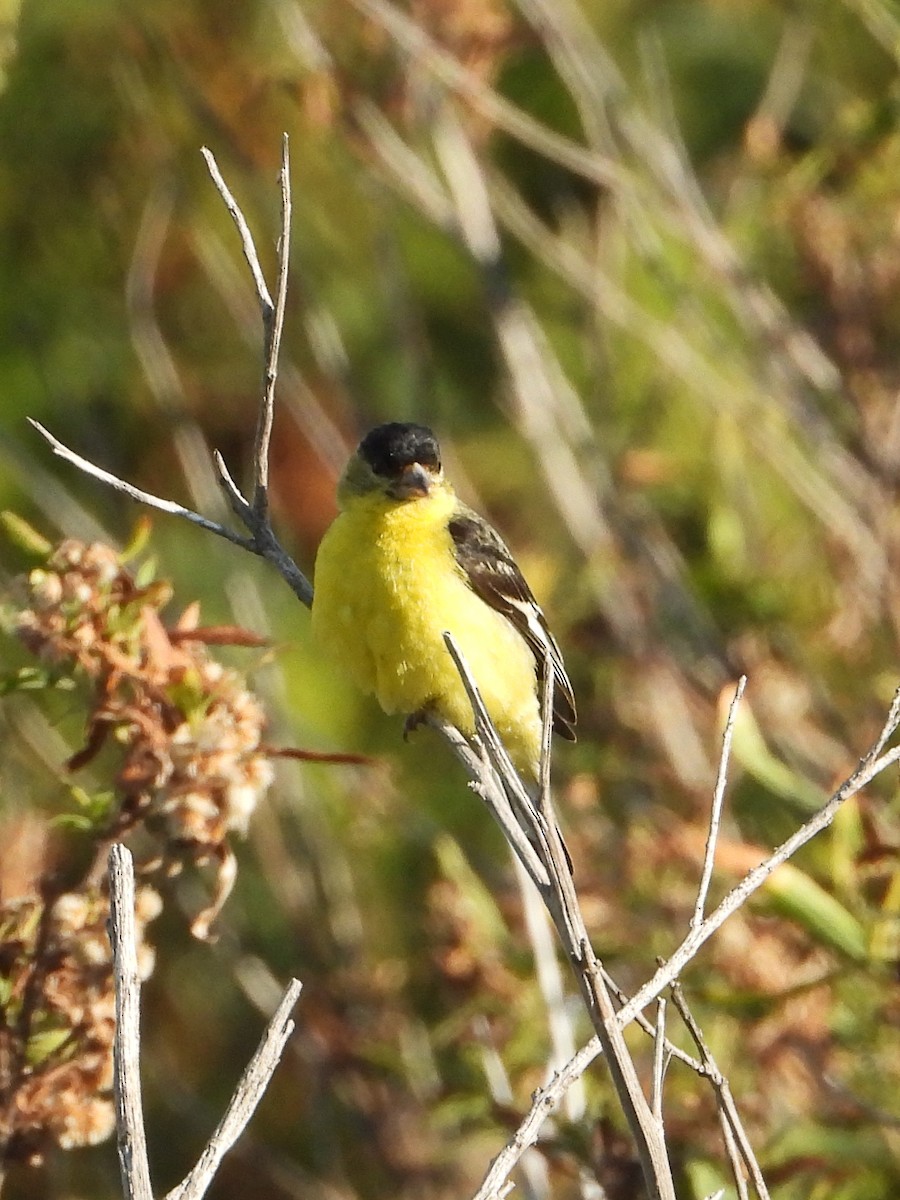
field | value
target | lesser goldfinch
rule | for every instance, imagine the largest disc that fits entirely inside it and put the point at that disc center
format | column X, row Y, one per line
column 404, row 561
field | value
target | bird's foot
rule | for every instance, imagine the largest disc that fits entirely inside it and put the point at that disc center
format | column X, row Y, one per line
column 413, row 722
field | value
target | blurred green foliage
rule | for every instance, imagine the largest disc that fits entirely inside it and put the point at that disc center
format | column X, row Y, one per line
column 707, row 257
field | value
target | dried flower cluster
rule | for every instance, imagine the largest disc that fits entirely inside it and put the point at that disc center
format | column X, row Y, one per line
column 192, row 764
column 57, row 1021
column 184, row 738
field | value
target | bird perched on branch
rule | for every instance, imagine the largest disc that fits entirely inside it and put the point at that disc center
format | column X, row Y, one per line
column 404, row 562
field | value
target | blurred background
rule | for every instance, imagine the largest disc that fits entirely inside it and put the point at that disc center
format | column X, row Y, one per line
column 638, row 264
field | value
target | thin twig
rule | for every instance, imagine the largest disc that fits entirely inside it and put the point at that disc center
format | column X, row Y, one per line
column 126, row 1056
column 534, row 1167
column 715, row 815
column 659, row 1063
column 136, row 494
column 649, row 1028
column 273, row 320
column 545, row 1101
column 548, row 1098
column 261, row 540
column 549, row 975
column 496, row 773
column 734, row 1156
column 247, row 243
column 867, row 770
column 486, row 785
column 247, row 1096
column 132, row 1140
column 239, row 504
column 732, row 1123
column 890, row 726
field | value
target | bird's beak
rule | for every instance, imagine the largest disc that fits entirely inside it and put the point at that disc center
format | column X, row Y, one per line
column 415, row 482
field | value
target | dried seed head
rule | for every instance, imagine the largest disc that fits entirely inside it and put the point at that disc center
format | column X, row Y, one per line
column 192, row 764
column 57, row 1005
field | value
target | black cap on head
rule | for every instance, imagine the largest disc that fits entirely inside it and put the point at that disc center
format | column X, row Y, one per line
column 389, row 448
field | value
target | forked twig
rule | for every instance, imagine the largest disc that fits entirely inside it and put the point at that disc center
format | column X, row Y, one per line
column 126, row 1056
column 735, row 1136
column 260, row 538
column 547, row 1099
column 137, row 494
column 659, row 1063
column 246, row 1097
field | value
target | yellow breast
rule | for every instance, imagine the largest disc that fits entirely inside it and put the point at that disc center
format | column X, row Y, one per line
column 387, row 586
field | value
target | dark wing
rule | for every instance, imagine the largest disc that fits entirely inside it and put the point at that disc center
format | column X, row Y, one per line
column 492, row 572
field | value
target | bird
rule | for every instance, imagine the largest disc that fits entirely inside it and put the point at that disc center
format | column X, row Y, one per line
column 404, row 561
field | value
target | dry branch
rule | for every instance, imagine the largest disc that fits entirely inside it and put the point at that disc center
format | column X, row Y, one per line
column 132, row 1140
column 260, row 538
column 548, row 1098
column 126, row 1056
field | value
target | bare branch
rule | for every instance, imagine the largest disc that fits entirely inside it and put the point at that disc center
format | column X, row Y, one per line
column 274, row 325
column 734, row 1157
column 546, row 1100
column 659, row 1063
column 533, row 1166
column 136, row 494
column 133, row 1162
column 544, row 1103
column 247, row 1096
column 126, row 1056
column 261, row 540
column 239, row 504
column 892, row 721
column 716, row 813
column 247, row 243
column 868, row 769
column 495, row 778
column 735, row 1134
column 499, row 757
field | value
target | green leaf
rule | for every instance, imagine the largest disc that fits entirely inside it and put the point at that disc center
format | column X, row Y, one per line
column 74, row 821
column 138, row 541
column 795, row 895
column 25, row 536
column 95, row 805
column 750, row 750
column 25, row 679
column 146, row 573
column 94, row 809
column 42, row 1045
